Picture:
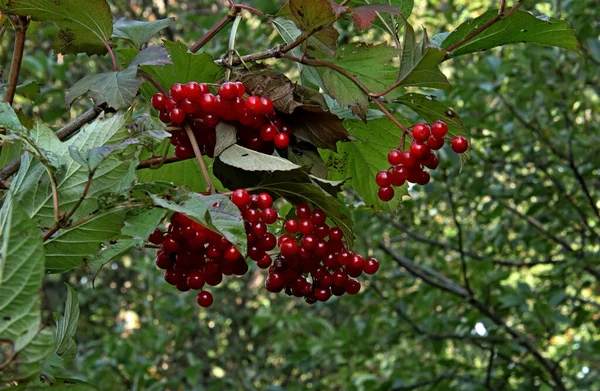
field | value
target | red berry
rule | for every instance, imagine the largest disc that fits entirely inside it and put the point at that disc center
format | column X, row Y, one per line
column 344, row 258
column 170, row 104
column 240, row 89
column 305, row 227
column 318, row 217
column 232, row 254
column 309, row 242
column 156, row 237
column 251, row 215
column 281, row 141
column 163, row 261
column 177, row 92
column 398, row 176
column 266, row 106
column 268, row 132
column 193, row 91
column 189, row 106
column 435, row 143
column 291, row 226
column 207, row 103
column 164, row 117
column 158, row 101
column 268, row 215
column 210, row 121
column 265, row 200
column 289, row 248
column 214, row 279
column 259, row 229
column 423, row 178
column 432, row 162
column 409, row 160
column 303, row 211
column 204, row 299
column 439, row 129
column 170, row 246
column 274, row 282
column 421, row 133
column 171, row 276
column 352, row 286
column 371, row 266
column 460, row 144
column 253, row 105
column 339, row 278
column 196, row 279
column 357, row 262
column 395, row 157
column 336, row 234
column 322, row 294
column 240, row 198
column 177, row 115
column 419, row 151
column 268, row 241
column 385, row 193
column 183, row 152
column 264, row 262
column 228, row 91
column 383, row 179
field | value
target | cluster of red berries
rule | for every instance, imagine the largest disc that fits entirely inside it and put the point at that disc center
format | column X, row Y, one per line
column 192, row 104
column 192, row 255
column 408, row 166
column 313, row 261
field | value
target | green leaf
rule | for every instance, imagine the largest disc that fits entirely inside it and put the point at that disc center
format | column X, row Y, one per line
column 21, row 274
column 68, row 248
column 116, row 89
column 420, row 62
column 431, row 110
column 186, row 67
column 84, row 26
column 309, row 15
column 29, row 90
column 90, row 159
column 519, row 27
column 215, row 212
column 250, row 160
column 152, row 55
column 370, row 64
column 359, row 161
column 113, row 251
column 226, row 137
column 298, row 190
column 66, row 326
column 185, row 173
column 9, row 119
column 139, row 32
column 59, row 385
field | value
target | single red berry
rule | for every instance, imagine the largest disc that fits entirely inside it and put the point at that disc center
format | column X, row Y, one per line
column 170, row 246
column 460, row 144
column 352, row 286
column 163, row 261
column 268, row 215
column 183, row 151
column 336, row 234
column 318, row 217
column 435, row 143
column 432, row 162
column 182, row 285
column 386, row 193
column 320, row 230
column 170, row 104
column 439, row 129
column 189, row 106
column 232, row 254
column 228, row 91
column 306, row 226
column 322, row 294
column 156, row 237
column 419, row 151
column 177, row 115
column 177, row 92
column 259, row 229
column 240, row 89
column 158, row 101
column 289, row 248
column 291, row 226
column 309, row 242
column 264, row 262
column 196, row 279
column 211, row 121
column 371, row 266
column 207, row 103
column 303, row 211
column 409, row 160
column 274, row 282
column 204, row 299
column 266, row 106
column 395, row 157
column 253, row 105
column 265, row 200
column 164, row 116
column 344, row 258
column 193, row 91
column 268, row 132
column 251, row 215
column 339, row 278
column 383, row 179
column 268, row 241
column 240, row 198
column 171, row 276
column 421, row 132
column 398, row 176
column 281, row 141
column 413, row 174
column 357, row 262
column 214, row 279
column 423, row 178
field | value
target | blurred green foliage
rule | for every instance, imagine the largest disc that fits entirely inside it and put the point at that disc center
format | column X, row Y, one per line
column 520, row 220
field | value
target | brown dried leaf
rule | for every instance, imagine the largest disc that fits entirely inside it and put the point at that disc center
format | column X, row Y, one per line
column 366, row 14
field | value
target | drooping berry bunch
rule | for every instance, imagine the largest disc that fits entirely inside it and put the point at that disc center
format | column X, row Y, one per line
column 409, row 165
column 193, row 255
column 258, row 126
column 313, row 260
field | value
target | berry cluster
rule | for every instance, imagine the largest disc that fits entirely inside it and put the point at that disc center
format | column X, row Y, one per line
column 313, row 261
column 192, row 104
column 408, row 166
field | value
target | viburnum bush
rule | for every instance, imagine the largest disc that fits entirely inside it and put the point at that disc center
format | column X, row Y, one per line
column 230, row 164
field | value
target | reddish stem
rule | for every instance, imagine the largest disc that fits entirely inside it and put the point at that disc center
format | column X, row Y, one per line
column 17, row 59
column 112, row 56
column 214, row 30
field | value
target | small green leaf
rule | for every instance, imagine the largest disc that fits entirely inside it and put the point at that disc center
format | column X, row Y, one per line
column 152, row 55
column 29, row 90
column 9, row 119
column 112, row 252
column 84, row 27
column 90, row 159
column 519, row 27
column 116, row 89
column 66, row 326
column 215, row 212
column 139, row 32
column 250, row 160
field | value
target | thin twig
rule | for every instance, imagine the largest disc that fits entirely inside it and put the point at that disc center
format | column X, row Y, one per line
column 152, row 162
column 112, row 56
column 196, row 148
column 502, row 7
column 392, row 118
column 17, row 58
column 54, row 196
column 490, row 367
column 152, row 81
column 214, row 30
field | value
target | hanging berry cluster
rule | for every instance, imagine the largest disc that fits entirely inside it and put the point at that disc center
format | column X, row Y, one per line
column 313, row 261
column 192, row 104
column 408, row 166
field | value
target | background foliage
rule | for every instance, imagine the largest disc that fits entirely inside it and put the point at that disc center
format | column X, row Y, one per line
column 484, row 271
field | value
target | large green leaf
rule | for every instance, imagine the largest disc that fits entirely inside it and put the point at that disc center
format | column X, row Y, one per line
column 24, row 346
column 309, row 15
column 519, row 27
column 249, row 160
column 185, row 173
column 85, row 26
column 139, row 32
column 116, row 89
column 359, row 161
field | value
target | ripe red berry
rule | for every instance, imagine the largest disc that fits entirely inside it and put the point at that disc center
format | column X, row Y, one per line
column 265, row 200
column 268, row 215
column 204, row 299
column 207, row 103
column 291, row 226
column 339, row 278
column 289, row 248
column 268, row 241
column 357, row 262
column 158, row 101
column 352, row 286
column 164, row 117
column 408, row 160
column 189, row 106
column 460, row 144
column 163, row 261
column 385, row 193
column 435, row 143
column 177, row 92
column 170, row 246
column 305, row 226
column 196, row 279
column 210, row 121
column 322, row 294
column 183, row 151
column 171, row 276
column 423, row 178
column 421, row 133
column 432, row 162
column 383, row 179
column 240, row 198
column 419, row 151
column 228, row 91
column 156, row 237
column 439, row 129
column 303, row 211
column 371, row 266
column 395, row 157
column 281, row 141
column 241, row 90
column 253, row 105
column 170, row 104
column 336, row 234
column 177, row 115
column 266, row 106
column 274, row 282
column 264, row 262
column 318, row 217
column 268, row 132
column 398, row 176
column 193, row 91
column 232, row 254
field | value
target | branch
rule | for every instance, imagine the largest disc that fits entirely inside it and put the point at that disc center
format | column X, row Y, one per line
column 214, row 30
column 62, row 134
column 190, row 134
column 486, row 25
column 17, row 58
column 488, row 376
column 154, row 161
